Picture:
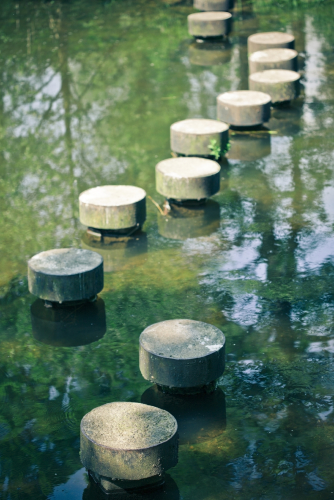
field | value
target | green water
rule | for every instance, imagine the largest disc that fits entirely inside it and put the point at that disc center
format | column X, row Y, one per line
column 88, row 91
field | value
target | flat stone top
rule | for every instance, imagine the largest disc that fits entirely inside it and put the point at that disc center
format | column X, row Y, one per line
column 199, row 126
column 112, row 196
column 273, row 55
column 188, row 167
column 182, row 339
column 128, row 426
column 65, row 261
column 244, row 98
column 275, row 76
column 271, row 37
column 210, row 16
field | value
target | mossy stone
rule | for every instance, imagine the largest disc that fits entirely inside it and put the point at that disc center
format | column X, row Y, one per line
column 243, row 108
column 193, row 137
column 281, row 84
column 65, row 275
column 209, row 24
column 212, row 5
column 270, row 40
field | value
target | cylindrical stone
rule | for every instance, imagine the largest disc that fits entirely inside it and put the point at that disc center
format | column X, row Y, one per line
column 243, row 108
column 182, row 354
column 68, row 326
column 270, row 40
column 113, row 207
column 209, row 24
column 200, row 417
column 212, row 5
column 281, row 84
column 184, row 222
column 193, row 137
column 209, row 53
column 263, row 60
column 118, row 252
column 187, row 178
column 65, row 275
column 128, row 444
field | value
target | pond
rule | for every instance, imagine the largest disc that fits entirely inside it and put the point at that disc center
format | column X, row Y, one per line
column 88, row 91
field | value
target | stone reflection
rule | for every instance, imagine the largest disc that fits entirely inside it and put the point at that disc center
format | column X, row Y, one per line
column 189, row 221
column 68, row 326
column 210, row 53
column 118, row 251
column 168, row 491
column 249, row 146
column 200, row 417
column 286, row 120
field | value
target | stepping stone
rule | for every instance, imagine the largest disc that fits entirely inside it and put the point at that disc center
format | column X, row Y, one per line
column 211, row 5
column 68, row 326
column 270, row 40
column 128, row 446
column 243, row 108
column 187, row 178
column 113, row 208
column 209, row 24
column 193, row 137
column 208, row 53
column 200, row 417
column 183, row 222
column 65, row 275
column 182, row 356
column 263, row 60
column 281, row 84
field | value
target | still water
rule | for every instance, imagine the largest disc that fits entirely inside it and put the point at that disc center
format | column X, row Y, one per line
column 88, row 90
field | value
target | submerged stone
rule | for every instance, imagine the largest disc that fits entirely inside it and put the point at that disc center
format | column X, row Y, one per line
column 193, row 137
column 209, row 53
column 113, row 207
column 263, row 60
column 281, row 84
column 209, row 24
column 270, row 40
column 182, row 356
column 128, row 445
column 187, row 178
column 243, row 108
column 65, row 275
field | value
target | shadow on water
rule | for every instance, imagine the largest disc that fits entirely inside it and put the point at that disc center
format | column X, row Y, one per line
column 68, row 326
column 200, row 417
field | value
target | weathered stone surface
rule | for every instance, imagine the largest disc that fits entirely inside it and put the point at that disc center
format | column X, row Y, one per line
column 209, row 53
column 113, row 207
column 281, row 84
column 250, row 147
column 68, row 326
column 243, row 108
column 187, row 178
column 263, row 60
column 270, row 40
column 65, row 274
column 193, row 137
column 128, row 442
column 182, row 354
column 212, row 5
column 190, row 222
column 200, row 417
column 209, row 24
column 118, row 252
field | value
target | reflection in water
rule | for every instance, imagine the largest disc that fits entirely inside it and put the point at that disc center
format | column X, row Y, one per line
column 200, row 417
column 206, row 53
column 68, row 326
column 249, row 146
column 118, row 252
column 168, row 491
column 184, row 222
column 286, row 119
